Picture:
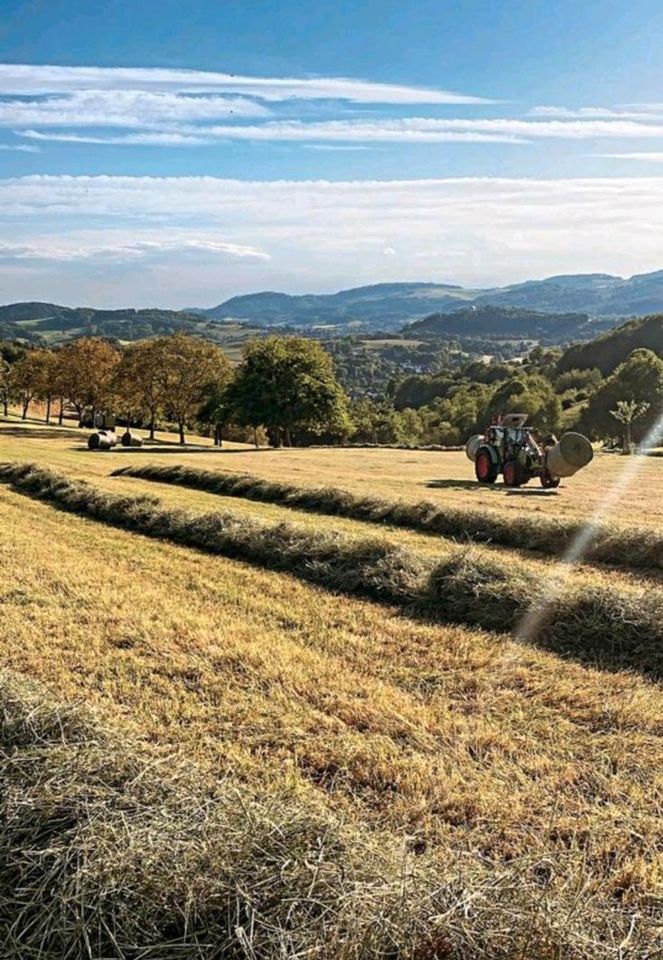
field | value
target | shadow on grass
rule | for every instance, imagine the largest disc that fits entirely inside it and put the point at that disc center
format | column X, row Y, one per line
column 156, row 449
column 522, row 492
column 40, row 433
column 460, row 485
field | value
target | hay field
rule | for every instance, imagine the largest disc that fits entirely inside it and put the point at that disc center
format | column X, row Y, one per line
column 509, row 793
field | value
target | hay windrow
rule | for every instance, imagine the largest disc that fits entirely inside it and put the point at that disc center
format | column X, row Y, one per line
column 108, row 850
column 611, row 628
column 630, row 547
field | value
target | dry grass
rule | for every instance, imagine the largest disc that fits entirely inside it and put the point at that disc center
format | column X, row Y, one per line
column 527, row 786
column 627, row 547
column 110, row 851
column 598, row 624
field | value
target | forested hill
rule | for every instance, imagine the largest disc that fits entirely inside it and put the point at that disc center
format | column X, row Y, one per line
column 388, row 306
column 611, row 349
column 384, row 306
column 50, row 322
column 28, row 310
column 504, row 322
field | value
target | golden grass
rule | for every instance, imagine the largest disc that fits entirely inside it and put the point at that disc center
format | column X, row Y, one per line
column 454, row 742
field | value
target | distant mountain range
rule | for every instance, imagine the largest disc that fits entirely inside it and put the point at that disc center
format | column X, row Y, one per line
column 558, row 309
column 388, row 306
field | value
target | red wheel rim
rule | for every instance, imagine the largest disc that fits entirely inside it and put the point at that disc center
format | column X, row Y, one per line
column 510, row 474
column 483, row 466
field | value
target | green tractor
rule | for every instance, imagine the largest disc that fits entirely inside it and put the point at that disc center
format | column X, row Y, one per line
column 511, row 448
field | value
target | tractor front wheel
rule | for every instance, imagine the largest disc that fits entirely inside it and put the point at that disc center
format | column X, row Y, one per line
column 485, row 468
column 513, row 474
column 548, row 481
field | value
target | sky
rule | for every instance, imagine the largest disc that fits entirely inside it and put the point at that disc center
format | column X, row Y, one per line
column 177, row 154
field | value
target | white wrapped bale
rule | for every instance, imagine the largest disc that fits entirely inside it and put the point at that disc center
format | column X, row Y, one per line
column 570, row 454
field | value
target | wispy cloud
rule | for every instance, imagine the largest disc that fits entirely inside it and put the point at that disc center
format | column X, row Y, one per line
column 20, row 147
column 28, row 79
column 649, row 157
column 44, row 250
column 154, row 138
column 119, row 240
column 387, row 131
column 400, row 130
column 124, row 108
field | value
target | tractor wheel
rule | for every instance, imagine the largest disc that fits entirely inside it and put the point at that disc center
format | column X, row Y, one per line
column 484, row 467
column 513, row 474
column 548, row 481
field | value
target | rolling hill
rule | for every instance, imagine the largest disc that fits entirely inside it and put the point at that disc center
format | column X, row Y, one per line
column 612, row 348
column 383, row 305
column 388, row 306
column 487, row 321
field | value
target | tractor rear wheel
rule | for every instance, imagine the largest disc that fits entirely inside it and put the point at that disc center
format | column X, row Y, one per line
column 514, row 475
column 484, row 467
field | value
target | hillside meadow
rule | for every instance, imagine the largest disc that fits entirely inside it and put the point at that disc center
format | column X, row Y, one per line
column 468, row 793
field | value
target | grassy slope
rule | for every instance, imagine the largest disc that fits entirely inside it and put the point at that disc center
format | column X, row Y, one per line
column 466, row 741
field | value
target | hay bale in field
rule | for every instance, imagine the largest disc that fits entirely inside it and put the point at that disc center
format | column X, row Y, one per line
column 130, row 439
column 102, row 440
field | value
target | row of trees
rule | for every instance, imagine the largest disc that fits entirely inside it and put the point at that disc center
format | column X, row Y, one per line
column 286, row 387
column 284, row 384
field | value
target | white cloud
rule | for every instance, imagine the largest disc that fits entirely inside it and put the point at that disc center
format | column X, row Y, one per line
column 315, row 235
column 645, row 112
column 124, row 108
column 81, row 247
column 649, row 157
column 28, row 79
column 400, row 130
column 19, row 147
column 387, row 131
column 151, row 139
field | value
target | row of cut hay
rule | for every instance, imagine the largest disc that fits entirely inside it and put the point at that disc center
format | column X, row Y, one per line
column 627, row 547
column 110, row 850
column 594, row 622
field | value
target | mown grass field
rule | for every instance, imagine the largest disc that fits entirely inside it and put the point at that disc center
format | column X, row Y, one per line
column 520, row 787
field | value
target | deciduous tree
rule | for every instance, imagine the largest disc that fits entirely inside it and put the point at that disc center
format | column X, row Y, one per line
column 88, row 365
column 189, row 367
column 288, row 385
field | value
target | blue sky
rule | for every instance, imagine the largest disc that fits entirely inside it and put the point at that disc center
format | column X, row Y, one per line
column 177, row 154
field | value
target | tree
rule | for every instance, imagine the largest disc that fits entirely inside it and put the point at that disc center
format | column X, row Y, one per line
column 639, row 379
column 188, row 367
column 216, row 408
column 88, row 366
column 375, row 422
column 138, row 382
column 288, row 385
column 532, row 394
column 32, row 379
column 627, row 412
column 6, row 384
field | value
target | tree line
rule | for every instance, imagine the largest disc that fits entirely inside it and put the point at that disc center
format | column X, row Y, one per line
column 284, row 386
column 285, row 391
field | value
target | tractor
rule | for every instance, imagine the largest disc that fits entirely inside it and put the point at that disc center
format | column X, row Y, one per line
column 511, row 448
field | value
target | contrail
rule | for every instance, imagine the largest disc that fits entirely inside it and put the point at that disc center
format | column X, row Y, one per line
column 531, row 622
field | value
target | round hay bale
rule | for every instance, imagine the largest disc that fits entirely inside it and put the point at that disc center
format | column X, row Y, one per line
column 101, row 440
column 130, row 439
column 570, row 454
column 472, row 447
